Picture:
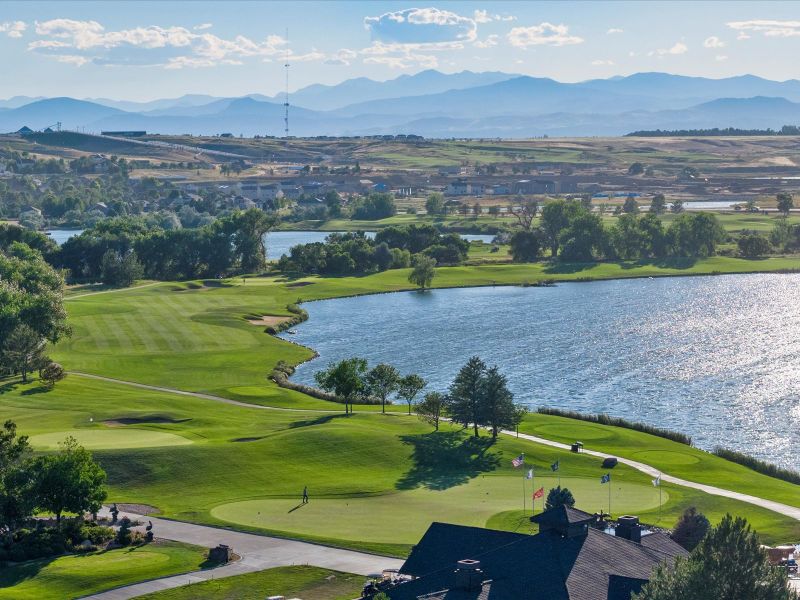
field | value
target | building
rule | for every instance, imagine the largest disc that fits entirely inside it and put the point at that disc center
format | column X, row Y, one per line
column 544, row 186
column 260, row 192
column 569, row 559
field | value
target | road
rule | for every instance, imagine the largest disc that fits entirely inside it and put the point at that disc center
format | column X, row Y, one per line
column 257, row 552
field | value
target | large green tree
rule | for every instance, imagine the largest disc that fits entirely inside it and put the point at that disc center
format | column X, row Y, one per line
column 692, row 527
column 525, row 246
column 382, row 381
column 345, row 379
column 785, row 203
column 15, row 497
column 466, row 395
column 556, row 216
column 432, row 408
column 423, row 271
column 498, row 402
column 22, row 351
column 68, row 481
column 408, row 388
column 728, row 564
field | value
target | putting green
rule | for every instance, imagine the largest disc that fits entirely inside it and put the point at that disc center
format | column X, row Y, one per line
column 403, row 517
column 117, row 438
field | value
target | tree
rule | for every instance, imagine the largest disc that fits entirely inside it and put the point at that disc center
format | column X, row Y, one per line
column 696, row 234
column 466, row 395
column 752, row 244
column 382, row 381
column 498, row 402
column 630, row 206
column 434, row 204
column 525, row 213
column 658, row 204
column 432, row 408
column 345, row 379
column 423, row 272
column 22, row 351
column 556, row 217
column 68, row 481
column 559, row 496
column 692, row 527
column 583, row 239
column 15, row 497
column 476, row 210
column 52, row 373
column 785, row 203
column 525, row 246
column 408, row 388
column 677, row 206
column 120, row 271
column 728, row 564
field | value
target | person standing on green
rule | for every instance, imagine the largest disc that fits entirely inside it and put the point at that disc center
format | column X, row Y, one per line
column 305, row 494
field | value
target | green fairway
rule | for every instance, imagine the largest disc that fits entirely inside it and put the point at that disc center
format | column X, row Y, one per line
column 95, row 439
column 73, row 576
column 404, row 516
column 301, row 581
column 396, row 473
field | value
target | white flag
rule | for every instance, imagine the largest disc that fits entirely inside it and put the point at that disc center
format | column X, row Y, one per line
column 657, row 481
column 530, row 474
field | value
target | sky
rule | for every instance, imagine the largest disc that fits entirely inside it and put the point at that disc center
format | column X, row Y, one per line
column 146, row 50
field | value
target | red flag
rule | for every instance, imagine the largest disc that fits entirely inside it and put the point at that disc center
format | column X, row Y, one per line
column 538, row 493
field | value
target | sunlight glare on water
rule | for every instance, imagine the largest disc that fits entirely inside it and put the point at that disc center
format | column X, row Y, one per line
column 715, row 357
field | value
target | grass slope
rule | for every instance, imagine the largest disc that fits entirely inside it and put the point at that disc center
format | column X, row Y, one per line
column 376, row 481
column 305, row 582
column 74, row 576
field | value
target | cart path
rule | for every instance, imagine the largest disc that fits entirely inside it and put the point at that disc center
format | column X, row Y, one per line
column 783, row 509
column 257, row 552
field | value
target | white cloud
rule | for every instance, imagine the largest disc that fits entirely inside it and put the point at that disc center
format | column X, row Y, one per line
column 421, row 26
column 614, row 30
column 13, row 29
column 678, row 48
column 544, row 34
column 342, row 57
column 171, row 47
column 720, row 57
column 767, row 27
column 602, row 63
column 742, row 36
column 713, row 42
column 490, row 41
column 202, row 26
column 483, row 16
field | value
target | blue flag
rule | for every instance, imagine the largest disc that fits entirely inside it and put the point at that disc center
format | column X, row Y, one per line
column 554, row 466
column 605, row 478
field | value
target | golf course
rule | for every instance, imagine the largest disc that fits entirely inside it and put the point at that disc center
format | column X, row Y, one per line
column 169, row 388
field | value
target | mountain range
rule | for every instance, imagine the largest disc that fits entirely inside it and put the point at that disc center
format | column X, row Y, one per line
column 435, row 104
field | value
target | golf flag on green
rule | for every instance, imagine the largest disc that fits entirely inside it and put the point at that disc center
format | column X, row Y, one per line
column 529, row 474
column 657, row 481
column 554, row 466
column 538, row 493
column 519, row 461
column 605, row 478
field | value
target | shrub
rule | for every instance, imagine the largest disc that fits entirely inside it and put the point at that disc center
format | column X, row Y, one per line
column 602, row 419
column 758, row 465
column 124, row 534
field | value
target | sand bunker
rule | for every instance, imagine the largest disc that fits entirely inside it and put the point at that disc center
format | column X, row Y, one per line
column 268, row 320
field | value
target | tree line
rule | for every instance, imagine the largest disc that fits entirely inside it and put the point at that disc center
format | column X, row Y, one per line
column 478, row 397
column 715, row 132
column 572, row 233
column 392, row 248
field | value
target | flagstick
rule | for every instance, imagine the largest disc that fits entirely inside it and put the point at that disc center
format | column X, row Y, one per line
column 524, row 500
column 659, row 497
column 609, row 499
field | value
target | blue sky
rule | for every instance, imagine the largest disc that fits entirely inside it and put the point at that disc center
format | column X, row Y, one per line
column 146, row 50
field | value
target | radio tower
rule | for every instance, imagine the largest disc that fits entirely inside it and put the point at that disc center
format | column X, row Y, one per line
column 286, row 101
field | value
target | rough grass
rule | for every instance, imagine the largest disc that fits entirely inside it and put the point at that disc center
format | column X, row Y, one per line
column 301, row 581
column 74, row 576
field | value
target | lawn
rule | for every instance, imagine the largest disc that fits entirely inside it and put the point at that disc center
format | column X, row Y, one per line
column 301, row 581
column 73, row 576
column 376, row 481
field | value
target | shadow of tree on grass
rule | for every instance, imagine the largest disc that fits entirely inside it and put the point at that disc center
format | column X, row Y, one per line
column 316, row 421
column 446, row 459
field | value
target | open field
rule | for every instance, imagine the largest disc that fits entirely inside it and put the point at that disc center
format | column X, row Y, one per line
column 74, row 576
column 305, row 582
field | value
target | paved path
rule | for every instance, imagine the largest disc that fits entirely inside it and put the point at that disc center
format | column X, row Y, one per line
column 258, row 552
column 784, row 509
column 113, row 291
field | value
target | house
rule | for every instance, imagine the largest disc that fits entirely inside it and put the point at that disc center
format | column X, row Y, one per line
column 242, row 203
column 457, row 188
column 544, row 186
column 100, row 207
column 569, row 559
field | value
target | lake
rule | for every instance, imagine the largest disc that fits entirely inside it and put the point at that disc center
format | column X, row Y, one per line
column 59, row 236
column 715, row 357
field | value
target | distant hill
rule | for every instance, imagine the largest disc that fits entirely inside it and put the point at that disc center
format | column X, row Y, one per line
column 506, row 106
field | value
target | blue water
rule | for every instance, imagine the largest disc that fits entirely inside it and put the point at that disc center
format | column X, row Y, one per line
column 59, row 236
column 715, row 357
